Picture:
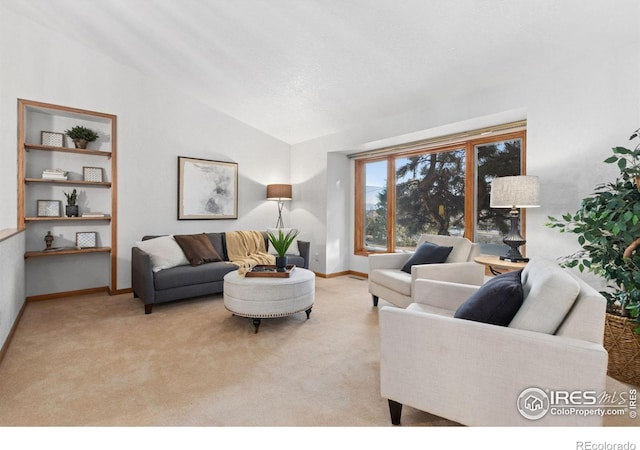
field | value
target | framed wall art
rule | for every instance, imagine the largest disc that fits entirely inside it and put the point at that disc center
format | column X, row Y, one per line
column 49, row 208
column 52, row 138
column 207, row 189
column 92, row 174
column 86, row 239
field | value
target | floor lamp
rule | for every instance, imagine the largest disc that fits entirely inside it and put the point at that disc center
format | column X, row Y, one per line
column 514, row 193
column 279, row 193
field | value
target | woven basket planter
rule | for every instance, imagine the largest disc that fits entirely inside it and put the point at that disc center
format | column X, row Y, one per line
column 623, row 346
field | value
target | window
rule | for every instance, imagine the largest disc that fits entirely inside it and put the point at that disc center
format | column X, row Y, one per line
column 437, row 189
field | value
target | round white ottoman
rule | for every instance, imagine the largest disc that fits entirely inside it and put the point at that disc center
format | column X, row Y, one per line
column 264, row 297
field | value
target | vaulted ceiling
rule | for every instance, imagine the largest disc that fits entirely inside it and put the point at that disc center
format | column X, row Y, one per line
column 300, row 69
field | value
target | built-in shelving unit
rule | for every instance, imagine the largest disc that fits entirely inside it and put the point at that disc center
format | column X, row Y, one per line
column 82, row 268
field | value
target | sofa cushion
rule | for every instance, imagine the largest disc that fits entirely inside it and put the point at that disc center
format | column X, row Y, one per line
column 197, row 248
column 164, row 252
column 217, row 240
column 427, row 253
column 192, row 275
column 496, row 302
column 549, row 294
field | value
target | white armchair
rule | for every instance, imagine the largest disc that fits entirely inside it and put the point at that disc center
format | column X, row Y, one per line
column 474, row 373
column 389, row 282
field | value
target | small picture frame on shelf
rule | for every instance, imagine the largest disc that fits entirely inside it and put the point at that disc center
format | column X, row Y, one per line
column 92, row 174
column 52, row 139
column 86, row 239
column 49, row 208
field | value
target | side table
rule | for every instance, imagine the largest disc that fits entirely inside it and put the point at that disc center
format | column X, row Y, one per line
column 495, row 264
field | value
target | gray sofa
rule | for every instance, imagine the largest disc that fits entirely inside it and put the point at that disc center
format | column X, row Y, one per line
column 182, row 282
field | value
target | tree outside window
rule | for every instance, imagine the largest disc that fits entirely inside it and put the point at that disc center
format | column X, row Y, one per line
column 442, row 191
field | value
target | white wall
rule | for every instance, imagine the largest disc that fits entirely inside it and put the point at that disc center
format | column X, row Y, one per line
column 575, row 114
column 11, row 281
column 156, row 124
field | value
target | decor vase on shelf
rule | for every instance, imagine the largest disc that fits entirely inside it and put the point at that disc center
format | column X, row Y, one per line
column 608, row 228
column 71, row 209
column 281, row 242
column 81, row 136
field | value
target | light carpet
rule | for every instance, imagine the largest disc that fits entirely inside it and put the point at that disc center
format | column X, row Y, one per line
column 97, row 360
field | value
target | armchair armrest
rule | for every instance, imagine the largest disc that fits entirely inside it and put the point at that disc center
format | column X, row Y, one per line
column 473, row 373
column 304, row 248
column 460, row 272
column 388, row 260
column 441, row 294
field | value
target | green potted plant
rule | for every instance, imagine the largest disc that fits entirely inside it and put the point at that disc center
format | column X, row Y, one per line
column 81, row 136
column 281, row 242
column 608, row 228
column 71, row 209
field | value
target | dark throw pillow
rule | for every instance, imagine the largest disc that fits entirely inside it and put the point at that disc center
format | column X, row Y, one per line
column 197, row 248
column 496, row 302
column 427, row 253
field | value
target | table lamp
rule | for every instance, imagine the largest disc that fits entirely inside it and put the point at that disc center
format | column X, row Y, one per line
column 515, row 192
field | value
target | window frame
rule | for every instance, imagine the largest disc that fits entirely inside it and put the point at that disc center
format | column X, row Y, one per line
column 468, row 145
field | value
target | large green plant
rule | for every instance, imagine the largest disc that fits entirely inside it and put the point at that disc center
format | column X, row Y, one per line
column 608, row 228
column 282, row 241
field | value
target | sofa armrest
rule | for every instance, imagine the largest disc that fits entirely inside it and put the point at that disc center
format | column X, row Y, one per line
column 387, row 260
column 460, row 272
column 304, row 248
column 441, row 294
column 142, row 276
column 473, row 373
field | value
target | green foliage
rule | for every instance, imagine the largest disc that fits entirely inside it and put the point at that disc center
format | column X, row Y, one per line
column 72, row 198
column 430, row 193
column 607, row 223
column 281, row 241
column 80, row 132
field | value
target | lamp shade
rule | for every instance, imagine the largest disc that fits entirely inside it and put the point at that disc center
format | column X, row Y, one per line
column 279, row 192
column 515, row 192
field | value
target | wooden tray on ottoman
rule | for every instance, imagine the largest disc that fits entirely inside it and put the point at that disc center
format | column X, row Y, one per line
column 266, row 270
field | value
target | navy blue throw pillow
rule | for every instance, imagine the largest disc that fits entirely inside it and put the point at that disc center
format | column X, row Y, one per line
column 427, row 253
column 496, row 302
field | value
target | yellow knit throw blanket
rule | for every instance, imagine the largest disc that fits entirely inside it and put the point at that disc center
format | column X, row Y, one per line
column 246, row 249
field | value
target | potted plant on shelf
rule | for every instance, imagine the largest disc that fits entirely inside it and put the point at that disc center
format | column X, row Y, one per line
column 81, row 136
column 608, row 228
column 281, row 242
column 71, row 209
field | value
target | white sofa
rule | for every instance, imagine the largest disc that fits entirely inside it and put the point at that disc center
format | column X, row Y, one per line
column 389, row 282
column 473, row 373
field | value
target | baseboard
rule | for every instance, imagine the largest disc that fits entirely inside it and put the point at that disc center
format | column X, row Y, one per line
column 122, row 291
column 342, row 274
column 37, row 298
column 5, row 346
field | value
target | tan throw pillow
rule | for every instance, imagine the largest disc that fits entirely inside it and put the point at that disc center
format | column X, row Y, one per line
column 197, row 248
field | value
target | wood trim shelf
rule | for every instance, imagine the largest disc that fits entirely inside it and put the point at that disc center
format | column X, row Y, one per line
column 61, row 218
column 51, row 148
column 70, row 251
column 72, row 182
column 32, row 155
